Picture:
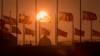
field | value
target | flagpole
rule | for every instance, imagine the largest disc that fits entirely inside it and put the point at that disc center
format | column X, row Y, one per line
column 56, row 24
column 35, row 22
column 24, row 30
column 80, row 22
column 1, row 9
column 24, row 33
column 91, row 31
column 16, row 17
column 1, row 12
column 39, row 29
column 9, row 19
column 73, row 31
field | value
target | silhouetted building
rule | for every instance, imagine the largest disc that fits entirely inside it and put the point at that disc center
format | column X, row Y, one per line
column 45, row 41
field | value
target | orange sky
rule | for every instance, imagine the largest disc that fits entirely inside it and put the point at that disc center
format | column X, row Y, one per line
column 73, row 6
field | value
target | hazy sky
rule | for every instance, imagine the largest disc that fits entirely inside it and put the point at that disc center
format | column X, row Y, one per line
column 73, row 6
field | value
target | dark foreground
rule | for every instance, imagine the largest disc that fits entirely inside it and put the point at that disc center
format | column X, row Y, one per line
column 77, row 49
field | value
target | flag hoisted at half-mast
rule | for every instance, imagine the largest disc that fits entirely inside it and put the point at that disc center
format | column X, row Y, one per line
column 65, row 16
column 95, row 33
column 29, row 31
column 79, row 32
column 89, row 15
column 62, row 33
column 15, row 30
column 25, row 19
column 2, row 23
column 9, row 20
column 5, row 30
column 44, row 31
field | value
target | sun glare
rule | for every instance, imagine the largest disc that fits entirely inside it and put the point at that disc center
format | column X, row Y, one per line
column 41, row 15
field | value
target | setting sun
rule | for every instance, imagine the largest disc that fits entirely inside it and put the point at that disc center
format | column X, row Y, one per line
column 41, row 15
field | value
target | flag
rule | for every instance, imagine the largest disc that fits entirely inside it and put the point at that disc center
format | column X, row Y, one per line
column 24, row 19
column 77, row 32
column 29, row 31
column 15, row 30
column 9, row 20
column 95, row 33
column 65, row 16
column 5, row 30
column 44, row 31
column 89, row 15
column 62, row 33
column 21, row 18
column 2, row 23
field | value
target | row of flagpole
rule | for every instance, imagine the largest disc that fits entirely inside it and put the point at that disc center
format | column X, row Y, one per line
column 56, row 23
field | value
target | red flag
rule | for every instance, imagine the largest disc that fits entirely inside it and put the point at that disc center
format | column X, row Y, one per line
column 65, row 16
column 62, row 33
column 89, row 15
column 15, row 30
column 9, row 20
column 77, row 32
column 29, row 31
column 5, row 30
column 21, row 18
column 2, row 23
column 44, row 31
column 24, row 19
column 95, row 33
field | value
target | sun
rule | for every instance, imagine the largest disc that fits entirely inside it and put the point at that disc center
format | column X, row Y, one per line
column 41, row 15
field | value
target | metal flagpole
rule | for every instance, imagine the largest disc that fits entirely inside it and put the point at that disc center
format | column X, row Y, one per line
column 1, row 13
column 39, row 29
column 35, row 22
column 24, row 31
column 1, row 9
column 80, row 22
column 16, row 17
column 91, row 30
column 9, row 19
column 56, row 24
column 73, row 30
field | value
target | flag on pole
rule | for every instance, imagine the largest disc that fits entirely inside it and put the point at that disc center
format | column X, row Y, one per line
column 9, row 20
column 29, row 31
column 77, row 32
column 62, row 33
column 5, row 30
column 15, row 30
column 21, row 18
column 65, row 16
column 25, row 19
column 2, row 23
column 89, row 15
column 95, row 33
column 44, row 31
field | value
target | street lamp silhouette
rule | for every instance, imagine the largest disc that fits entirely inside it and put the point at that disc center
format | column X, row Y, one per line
column 42, row 16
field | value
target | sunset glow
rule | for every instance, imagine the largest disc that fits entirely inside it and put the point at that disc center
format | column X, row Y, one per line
column 41, row 15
